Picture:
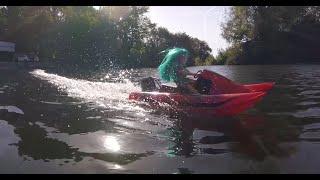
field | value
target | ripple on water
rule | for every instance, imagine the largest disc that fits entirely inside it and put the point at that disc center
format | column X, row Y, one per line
column 311, row 132
column 310, row 92
column 311, row 112
column 306, row 103
column 13, row 109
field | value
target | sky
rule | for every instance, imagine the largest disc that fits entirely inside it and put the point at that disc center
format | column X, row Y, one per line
column 202, row 22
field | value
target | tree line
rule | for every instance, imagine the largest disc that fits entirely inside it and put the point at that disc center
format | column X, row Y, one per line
column 124, row 36
column 110, row 36
column 272, row 35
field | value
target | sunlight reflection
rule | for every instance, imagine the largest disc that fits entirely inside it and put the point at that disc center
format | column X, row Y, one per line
column 111, row 143
column 116, row 166
column 141, row 114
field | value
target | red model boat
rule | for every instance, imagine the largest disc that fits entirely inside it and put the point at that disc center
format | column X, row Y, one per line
column 219, row 96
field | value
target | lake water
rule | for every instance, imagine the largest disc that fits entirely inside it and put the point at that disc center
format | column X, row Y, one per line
column 56, row 123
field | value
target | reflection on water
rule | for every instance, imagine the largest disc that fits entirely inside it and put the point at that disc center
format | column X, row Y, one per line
column 250, row 135
column 88, row 126
column 111, row 143
column 13, row 109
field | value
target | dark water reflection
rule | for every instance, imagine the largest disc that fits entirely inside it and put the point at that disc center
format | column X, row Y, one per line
column 74, row 125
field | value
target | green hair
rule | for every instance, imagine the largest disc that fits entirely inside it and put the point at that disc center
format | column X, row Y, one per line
column 169, row 65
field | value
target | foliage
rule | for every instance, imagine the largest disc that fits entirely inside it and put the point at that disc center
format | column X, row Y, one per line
column 272, row 34
column 121, row 36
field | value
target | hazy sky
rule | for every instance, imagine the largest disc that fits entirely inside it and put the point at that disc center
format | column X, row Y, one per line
column 202, row 22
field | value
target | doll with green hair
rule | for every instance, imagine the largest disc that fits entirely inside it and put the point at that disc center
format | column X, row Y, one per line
column 173, row 69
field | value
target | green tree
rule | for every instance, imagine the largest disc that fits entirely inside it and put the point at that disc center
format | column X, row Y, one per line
column 88, row 38
column 272, row 34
